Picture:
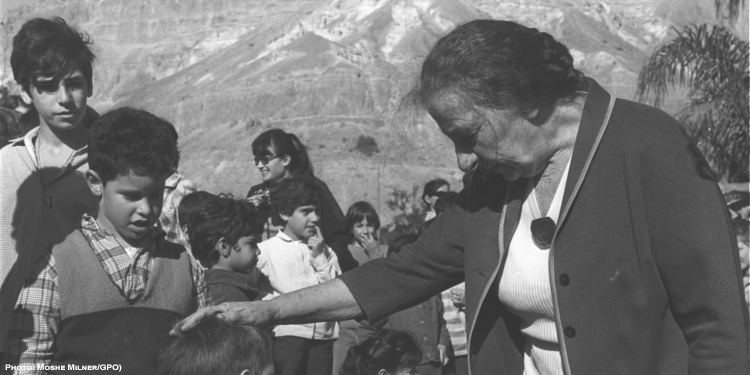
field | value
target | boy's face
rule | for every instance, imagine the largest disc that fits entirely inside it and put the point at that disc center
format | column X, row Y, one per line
column 301, row 224
column 244, row 255
column 129, row 205
column 61, row 103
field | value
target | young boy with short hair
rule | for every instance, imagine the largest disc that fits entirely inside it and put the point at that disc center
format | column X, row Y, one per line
column 43, row 191
column 295, row 258
column 112, row 288
column 217, row 347
column 224, row 238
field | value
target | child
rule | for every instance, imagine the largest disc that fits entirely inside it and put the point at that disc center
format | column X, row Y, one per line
column 52, row 62
column 362, row 222
column 188, row 205
column 389, row 352
column 424, row 320
column 218, row 347
column 113, row 287
column 279, row 155
column 297, row 257
column 224, row 237
column 429, row 195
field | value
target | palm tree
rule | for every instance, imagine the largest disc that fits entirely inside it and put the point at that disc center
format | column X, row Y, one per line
column 713, row 63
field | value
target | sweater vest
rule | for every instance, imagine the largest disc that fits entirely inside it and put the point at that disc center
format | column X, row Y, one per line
column 99, row 326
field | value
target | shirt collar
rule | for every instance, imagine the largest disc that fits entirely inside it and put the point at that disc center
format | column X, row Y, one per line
column 91, row 227
column 283, row 236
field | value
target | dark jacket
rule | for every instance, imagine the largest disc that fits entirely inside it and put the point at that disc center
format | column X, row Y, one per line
column 644, row 266
column 331, row 223
column 227, row 286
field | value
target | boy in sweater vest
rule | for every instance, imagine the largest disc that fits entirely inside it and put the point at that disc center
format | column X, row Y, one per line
column 297, row 257
column 110, row 291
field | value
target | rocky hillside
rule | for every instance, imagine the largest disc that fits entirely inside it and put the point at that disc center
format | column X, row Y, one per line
column 330, row 71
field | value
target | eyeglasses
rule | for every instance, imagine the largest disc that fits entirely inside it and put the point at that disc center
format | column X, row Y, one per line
column 265, row 159
column 543, row 230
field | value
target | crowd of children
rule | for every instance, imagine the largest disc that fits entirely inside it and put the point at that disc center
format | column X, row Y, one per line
column 106, row 246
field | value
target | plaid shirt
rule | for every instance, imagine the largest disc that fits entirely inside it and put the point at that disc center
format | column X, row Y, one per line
column 175, row 188
column 36, row 318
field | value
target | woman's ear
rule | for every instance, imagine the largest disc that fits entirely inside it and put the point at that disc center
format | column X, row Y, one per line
column 382, row 371
column 95, row 183
column 286, row 160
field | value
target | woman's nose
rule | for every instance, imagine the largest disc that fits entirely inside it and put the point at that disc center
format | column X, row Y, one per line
column 465, row 161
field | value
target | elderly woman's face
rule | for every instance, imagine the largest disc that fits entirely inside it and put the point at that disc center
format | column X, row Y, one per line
column 498, row 140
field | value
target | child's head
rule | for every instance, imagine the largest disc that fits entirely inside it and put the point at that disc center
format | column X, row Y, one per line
column 225, row 233
column 429, row 194
column 217, row 347
column 131, row 154
column 279, row 154
column 296, row 199
column 361, row 221
column 53, row 64
column 189, row 204
column 388, row 352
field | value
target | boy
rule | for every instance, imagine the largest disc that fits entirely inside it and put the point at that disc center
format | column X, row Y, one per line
column 53, row 64
column 295, row 258
column 113, row 287
column 218, row 347
column 224, row 237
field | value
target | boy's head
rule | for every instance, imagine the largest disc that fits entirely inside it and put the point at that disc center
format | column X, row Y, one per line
column 190, row 204
column 297, row 199
column 53, row 63
column 131, row 154
column 226, row 233
column 217, row 347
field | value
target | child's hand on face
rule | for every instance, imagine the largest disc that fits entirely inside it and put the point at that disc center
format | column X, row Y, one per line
column 369, row 242
column 317, row 244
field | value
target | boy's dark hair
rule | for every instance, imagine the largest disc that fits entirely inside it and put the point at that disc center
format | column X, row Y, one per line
column 132, row 141
column 224, row 217
column 45, row 47
column 358, row 211
column 190, row 203
column 216, row 347
column 294, row 192
column 387, row 349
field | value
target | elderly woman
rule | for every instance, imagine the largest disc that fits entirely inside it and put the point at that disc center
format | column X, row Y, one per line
column 593, row 238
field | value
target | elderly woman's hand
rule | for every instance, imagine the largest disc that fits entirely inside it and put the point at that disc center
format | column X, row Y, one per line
column 252, row 313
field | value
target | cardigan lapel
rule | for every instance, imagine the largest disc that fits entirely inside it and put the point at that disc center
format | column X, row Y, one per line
column 594, row 113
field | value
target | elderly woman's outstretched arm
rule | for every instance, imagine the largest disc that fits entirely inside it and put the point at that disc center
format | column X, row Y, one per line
column 330, row 301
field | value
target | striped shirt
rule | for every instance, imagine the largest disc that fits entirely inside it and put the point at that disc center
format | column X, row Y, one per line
column 32, row 341
column 455, row 321
column 175, row 188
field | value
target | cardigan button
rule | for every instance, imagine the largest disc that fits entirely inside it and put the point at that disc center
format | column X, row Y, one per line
column 564, row 279
column 570, row 332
